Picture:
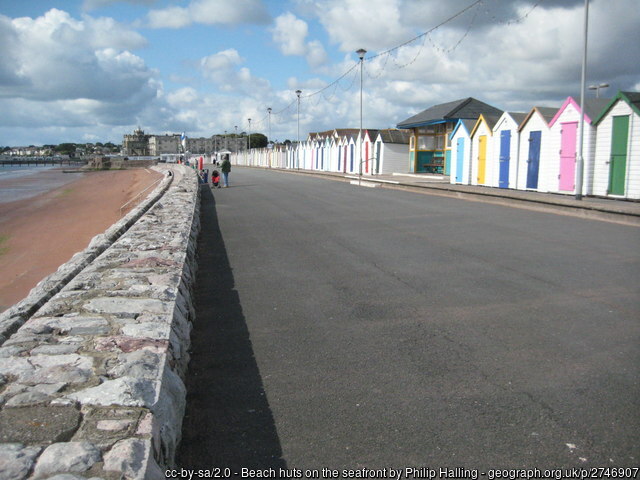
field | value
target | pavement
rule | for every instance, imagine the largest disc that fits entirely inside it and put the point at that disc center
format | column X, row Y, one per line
column 607, row 209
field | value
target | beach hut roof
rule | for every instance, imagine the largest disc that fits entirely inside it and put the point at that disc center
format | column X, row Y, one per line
column 632, row 98
column 517, row 118
column 489, row 120
column 393, row 135
column 469, row 108
column 592, row 107
column 463, row 123
column 547, row 113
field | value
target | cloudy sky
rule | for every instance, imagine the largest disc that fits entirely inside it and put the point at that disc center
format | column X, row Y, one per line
column 93, row 70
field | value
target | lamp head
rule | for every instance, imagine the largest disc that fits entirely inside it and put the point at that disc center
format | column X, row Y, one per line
column 361, row 53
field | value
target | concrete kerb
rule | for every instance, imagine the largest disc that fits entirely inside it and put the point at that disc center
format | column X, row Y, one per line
column 12, row 318
column 91, row 386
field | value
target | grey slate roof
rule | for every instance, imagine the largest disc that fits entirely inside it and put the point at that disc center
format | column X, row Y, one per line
column 593, row 106
column 547, row 113
column 466, row 108
column 492, row 120
column 518, row 117
column 393, row 135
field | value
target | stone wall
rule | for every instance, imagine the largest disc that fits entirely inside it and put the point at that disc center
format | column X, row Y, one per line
column 91, row 382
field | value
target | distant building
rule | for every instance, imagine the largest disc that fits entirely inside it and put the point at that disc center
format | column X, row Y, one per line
column 159, row 144
column 136, row 144
column 141, row 144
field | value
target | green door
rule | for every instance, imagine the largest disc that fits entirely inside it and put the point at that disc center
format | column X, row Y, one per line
column 618, row 165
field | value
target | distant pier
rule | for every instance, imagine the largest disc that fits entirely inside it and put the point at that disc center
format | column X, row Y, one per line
column 41, row 161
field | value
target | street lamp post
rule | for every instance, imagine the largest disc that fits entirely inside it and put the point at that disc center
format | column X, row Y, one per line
column 249, row 156
column 580, row 159
column 597, row 88
column 361, row 54
column 269, row 138
column 298, row 92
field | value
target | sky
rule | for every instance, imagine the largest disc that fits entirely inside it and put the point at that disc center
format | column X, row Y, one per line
column 93, row 70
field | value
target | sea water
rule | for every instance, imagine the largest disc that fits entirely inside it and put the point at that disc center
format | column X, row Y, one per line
column 19, row 182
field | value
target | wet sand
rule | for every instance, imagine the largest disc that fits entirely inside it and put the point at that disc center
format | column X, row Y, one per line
column 40, row 233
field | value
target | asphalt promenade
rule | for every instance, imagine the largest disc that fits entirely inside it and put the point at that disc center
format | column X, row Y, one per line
column 608, row 209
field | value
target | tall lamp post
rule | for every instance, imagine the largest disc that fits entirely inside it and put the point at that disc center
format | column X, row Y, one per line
column 580, row 159
column 361, row 54
column 269, row 129
column 597, row 88
column 249, row 156
column 298, row 92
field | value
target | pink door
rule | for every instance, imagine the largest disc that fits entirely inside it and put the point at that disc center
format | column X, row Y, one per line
column 568, row 156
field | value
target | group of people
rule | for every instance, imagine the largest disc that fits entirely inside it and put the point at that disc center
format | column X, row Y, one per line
column 225, row 167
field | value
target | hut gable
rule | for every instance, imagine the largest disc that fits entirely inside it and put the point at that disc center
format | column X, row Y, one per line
column 468, row 108
column 592, row 108
column 394, row 135
column 545, row 113
column 631, row 98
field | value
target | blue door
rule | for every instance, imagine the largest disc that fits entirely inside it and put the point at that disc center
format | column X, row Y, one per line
column 352, row 157
column 505, row 156
column 533, row 162
column 459, row 159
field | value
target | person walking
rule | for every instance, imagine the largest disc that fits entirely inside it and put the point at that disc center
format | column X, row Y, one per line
column 226, row 168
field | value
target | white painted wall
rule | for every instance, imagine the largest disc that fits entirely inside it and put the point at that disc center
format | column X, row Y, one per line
column 482, row 129
column 535, row 122
column 394, row 158
column 461, row 132
column 506, row 122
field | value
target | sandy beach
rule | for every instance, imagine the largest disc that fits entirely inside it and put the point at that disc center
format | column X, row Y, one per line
column 40, row 233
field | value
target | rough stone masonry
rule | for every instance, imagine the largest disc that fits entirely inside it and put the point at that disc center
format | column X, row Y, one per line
column 92, row 362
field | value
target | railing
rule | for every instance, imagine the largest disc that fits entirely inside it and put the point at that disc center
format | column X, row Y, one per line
column 154, row 183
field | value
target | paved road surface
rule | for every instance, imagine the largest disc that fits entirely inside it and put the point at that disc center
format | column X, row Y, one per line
column 348, row 327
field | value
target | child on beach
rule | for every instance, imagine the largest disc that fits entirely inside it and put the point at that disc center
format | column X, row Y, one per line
column 215, row 179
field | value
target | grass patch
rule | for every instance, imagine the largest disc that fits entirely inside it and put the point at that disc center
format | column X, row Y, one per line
column 3, row 247
column 65, row 192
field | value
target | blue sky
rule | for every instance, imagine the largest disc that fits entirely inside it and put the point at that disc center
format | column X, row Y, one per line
column 93, row 70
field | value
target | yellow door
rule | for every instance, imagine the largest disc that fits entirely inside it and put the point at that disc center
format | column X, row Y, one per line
column 482, row 158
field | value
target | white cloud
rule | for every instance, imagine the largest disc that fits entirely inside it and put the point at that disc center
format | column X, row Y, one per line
column 58, row 57
column 72, row 73
column 290, row 34
column 223, row 69
column 369, row 24
column 210, row 12
column 172, row 17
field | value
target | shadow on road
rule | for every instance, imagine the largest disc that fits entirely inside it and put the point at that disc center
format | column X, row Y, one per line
column 228, row 422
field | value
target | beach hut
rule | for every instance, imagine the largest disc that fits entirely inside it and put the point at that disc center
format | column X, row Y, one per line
column 429, row 148
column 352, row 152
column 563, row 137
column 390, row 154
column 505, row 147
column 368, row 159
column 534, row 149
column 482, row 165
column 460, row 141
column 617, row 152
column 341, row 153
column 333, row 154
